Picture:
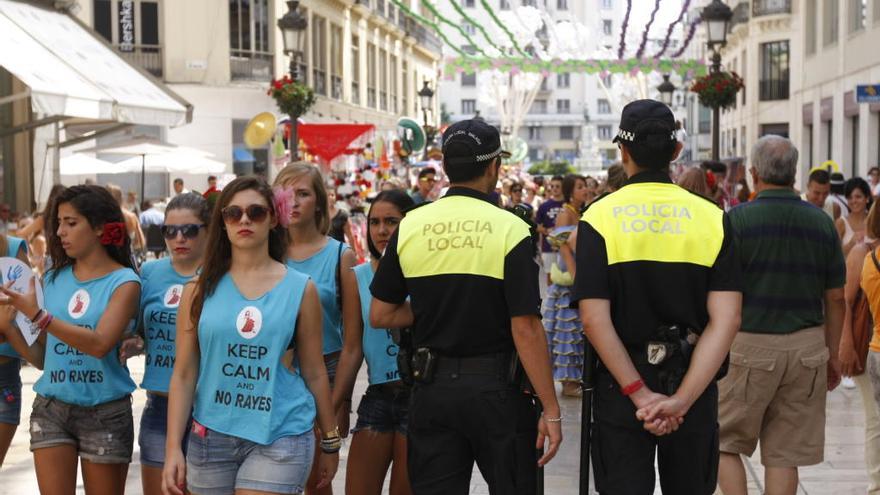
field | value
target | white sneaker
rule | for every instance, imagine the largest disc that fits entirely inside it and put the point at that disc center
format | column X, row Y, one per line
column 848, row 383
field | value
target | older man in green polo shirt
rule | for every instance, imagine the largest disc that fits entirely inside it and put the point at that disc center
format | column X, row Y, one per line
column 785, row 356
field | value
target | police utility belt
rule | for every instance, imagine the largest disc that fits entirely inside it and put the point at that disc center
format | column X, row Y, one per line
column 669, row 350
column 421, row 365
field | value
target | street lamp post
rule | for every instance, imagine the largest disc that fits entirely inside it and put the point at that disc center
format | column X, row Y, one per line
column 426, row 95
column 717, row 16
column 293, row 28
column 666, row 89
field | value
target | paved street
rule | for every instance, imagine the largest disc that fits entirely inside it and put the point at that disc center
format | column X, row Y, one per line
column 842, row 473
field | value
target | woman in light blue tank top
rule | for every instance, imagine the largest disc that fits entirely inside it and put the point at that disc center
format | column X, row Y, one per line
column 186, row 233
column 83, row 404
column 379, row 436
column 10, row 362
column 240, row 328
column 324, row 259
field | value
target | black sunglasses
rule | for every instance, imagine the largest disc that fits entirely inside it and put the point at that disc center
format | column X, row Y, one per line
column 257, row 213
column 189, row 230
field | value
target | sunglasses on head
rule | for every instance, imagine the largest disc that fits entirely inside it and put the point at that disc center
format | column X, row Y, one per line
column 256, row 213
column 189, row 230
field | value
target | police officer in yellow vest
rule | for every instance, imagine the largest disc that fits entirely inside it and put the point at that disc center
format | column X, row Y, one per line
column 659, row 292
column 468, row 269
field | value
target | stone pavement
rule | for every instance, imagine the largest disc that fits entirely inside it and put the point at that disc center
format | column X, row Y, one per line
column 842, row 473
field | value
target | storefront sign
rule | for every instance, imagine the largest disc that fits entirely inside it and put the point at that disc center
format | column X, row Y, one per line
column 126, row 25
column 868, row 93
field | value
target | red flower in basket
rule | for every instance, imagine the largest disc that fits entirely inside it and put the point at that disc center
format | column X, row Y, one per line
column 114, row 234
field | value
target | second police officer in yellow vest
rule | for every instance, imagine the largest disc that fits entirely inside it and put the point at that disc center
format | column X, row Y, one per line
column 468, row 270
column 659, row 292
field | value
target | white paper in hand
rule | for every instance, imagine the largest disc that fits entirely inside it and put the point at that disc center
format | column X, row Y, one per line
column 12, row 269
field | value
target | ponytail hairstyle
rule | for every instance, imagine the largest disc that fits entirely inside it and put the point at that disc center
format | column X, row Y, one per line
column 397, row 197
column 99, row 208
column 218, row 257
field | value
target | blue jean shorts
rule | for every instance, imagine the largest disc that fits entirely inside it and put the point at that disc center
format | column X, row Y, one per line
column 154, row 429
column 218, row 464
column 384, row 408
column 10, row 392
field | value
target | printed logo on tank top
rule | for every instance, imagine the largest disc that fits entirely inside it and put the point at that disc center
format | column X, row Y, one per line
column 79, row 303
column 172, row 296
column 249, row 322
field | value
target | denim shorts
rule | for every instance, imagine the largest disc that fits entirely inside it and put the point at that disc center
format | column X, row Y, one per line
column 10, row 392
column 154, row 429
column 384, row 408
column 219, row 464
column 103, row 434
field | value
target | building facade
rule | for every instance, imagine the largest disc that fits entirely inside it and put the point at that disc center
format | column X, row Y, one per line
column 365, row 59
column 571, row 114
column 801, row 61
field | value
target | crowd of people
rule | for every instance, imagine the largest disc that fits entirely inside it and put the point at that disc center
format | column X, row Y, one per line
column 266, row 300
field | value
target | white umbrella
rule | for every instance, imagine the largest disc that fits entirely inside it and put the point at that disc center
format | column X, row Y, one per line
column 79, row 164
column 174, row 162
column 148, row 146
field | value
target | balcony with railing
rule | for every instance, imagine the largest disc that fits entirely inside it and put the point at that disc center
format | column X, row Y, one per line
column 319, row 81
column 355, row 93
column 148, row 57
column 422, row 35
column 740, row 14
column 770, row 7
column 249, row 65
column 336, row 87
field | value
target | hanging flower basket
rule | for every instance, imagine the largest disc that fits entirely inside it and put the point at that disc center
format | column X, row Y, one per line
column 292, row 97
column 718, row 90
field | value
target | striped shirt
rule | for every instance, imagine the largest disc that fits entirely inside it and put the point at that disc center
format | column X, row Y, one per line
column 790, row 255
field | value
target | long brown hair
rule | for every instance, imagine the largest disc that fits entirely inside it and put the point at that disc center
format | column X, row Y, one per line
column 99, row 208
column 218, row 257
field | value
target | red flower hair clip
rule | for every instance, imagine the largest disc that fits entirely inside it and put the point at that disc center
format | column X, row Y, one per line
column 114, row 234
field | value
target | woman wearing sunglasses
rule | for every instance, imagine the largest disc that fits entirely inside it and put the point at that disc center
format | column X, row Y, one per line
column 82, row 412
column 379, row 437
column 240, row 327
column 185, row 232
column 327, row 261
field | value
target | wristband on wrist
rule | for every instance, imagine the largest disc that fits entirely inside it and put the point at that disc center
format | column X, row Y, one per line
column 554, row 420
column 632, row 388
column 37, row 316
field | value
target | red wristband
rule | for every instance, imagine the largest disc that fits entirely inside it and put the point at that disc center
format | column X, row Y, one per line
column 632, row 387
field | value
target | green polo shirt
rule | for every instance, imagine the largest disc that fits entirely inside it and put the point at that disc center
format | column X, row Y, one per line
column 790, row 255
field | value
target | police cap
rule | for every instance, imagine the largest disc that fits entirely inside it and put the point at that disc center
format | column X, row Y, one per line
column 471, row 141
column 644, row 117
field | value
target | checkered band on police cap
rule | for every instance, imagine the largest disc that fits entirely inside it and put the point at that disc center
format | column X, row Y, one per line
column 471, row 141
column 637, row 113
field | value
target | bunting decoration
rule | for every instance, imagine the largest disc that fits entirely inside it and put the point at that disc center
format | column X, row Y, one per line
column 470, row 65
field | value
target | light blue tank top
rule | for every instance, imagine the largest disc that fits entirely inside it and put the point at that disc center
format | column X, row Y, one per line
column 321, row 268
column 160, row 296
column 14, row 244
column 380, row 351
column 243, row 389
column 70, row 375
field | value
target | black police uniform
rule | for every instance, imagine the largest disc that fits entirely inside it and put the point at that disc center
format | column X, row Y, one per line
column 467, row 267
column 655, row 251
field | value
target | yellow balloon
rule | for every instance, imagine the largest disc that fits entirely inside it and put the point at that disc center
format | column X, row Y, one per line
column 259, row 130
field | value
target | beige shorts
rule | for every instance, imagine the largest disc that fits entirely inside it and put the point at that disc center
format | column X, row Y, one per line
column 775, row 392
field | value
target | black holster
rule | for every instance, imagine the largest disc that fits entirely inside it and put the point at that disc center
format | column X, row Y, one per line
column 403, row 338
column 669, row 350
column 517, row 376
